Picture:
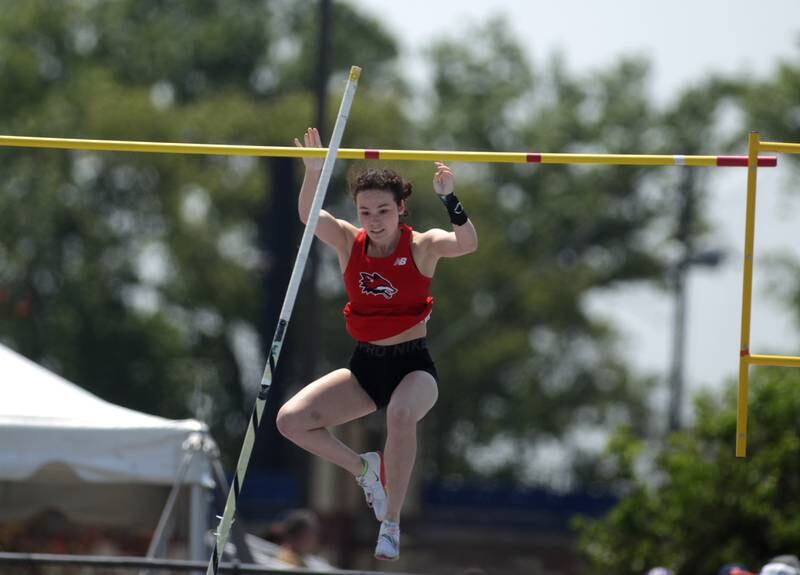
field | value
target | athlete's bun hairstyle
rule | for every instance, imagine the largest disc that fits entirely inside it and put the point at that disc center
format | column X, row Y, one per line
column 382, row 179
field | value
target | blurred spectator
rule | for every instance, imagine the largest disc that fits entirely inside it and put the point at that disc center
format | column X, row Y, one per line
column 734, row 569
column 297, row 537
column 782, row 565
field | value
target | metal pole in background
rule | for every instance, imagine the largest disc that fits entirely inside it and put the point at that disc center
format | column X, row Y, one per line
column 684, row 237
column 689, row 257
column 307, row 368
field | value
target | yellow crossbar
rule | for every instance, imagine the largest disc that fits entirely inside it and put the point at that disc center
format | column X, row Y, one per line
column 389, row 155
column 782, row 147
column 776, row 360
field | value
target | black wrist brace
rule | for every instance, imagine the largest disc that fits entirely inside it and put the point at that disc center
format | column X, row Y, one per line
column 458, row 216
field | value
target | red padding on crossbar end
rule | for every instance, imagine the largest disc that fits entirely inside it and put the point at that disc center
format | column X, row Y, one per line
column 741, row 161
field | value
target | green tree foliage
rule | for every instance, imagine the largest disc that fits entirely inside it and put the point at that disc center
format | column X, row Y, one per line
column 697, row 506
column 524, row 364
column 197, row 48
column 691, row 504
column 770, row 107
column 356, row 40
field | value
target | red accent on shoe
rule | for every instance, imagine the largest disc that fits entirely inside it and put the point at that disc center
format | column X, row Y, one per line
column 383, row 472
column 386, row 558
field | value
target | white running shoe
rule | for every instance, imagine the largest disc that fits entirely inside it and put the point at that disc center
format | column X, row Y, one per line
column 388, row 547
column 373, row 481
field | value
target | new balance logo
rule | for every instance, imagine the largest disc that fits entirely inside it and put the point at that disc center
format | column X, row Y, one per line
column 400, row 261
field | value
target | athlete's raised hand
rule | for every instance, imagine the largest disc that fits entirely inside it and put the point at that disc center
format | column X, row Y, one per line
column 311, row 139
column 443, row 180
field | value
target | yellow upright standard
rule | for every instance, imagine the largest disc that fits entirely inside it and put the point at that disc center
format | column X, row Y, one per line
column 755, row 147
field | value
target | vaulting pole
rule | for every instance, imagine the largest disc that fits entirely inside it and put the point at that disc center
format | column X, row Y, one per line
column 286, row 311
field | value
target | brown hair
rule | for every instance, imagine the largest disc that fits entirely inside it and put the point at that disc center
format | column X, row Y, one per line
column 382, row 179
column 294, row 524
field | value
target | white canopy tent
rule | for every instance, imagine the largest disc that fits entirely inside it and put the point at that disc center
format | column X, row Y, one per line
column 63, row 448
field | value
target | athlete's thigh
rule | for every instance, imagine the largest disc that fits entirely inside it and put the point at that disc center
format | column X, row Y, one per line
column 333, row 399
column 416, row 392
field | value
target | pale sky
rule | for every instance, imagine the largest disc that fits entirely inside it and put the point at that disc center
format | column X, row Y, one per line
column 683, row 38
column 684, row 41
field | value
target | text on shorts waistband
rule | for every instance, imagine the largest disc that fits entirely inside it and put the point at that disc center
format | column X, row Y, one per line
column 395, row 350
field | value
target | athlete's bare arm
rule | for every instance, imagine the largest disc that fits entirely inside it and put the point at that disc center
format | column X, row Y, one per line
column 437, row 243
column 337, row 233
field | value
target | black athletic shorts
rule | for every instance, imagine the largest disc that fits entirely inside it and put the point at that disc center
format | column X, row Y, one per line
column 379, row 369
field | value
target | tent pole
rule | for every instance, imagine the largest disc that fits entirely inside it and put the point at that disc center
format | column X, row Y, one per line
column 198, row 523
column 191, row 446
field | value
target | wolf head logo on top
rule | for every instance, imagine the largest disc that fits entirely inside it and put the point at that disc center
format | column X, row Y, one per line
column 376, row 284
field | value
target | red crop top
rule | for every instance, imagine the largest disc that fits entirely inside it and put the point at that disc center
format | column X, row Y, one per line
column 388, row 295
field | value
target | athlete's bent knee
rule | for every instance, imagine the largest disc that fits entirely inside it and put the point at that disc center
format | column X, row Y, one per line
column 289, row 422
column 399, row 417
